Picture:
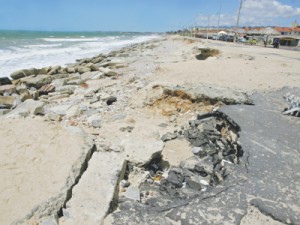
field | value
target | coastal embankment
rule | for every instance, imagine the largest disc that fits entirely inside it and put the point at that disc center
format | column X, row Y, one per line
column 170, row 131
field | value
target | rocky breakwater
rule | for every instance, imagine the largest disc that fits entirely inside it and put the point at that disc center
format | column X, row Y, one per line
column 51, row 83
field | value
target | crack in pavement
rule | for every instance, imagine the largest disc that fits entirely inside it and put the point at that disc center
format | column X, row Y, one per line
column 83, row 168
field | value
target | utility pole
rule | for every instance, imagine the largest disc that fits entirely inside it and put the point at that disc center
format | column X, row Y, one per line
column 207, row 26
column 238, row 20
column 219, row 15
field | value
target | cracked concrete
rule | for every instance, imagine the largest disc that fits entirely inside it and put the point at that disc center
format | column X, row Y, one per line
column 95, row 191
column 268, row 178
column 38, row 175
column 255, row 217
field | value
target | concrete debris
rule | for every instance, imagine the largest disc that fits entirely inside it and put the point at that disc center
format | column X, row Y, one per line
column 214, row 137
column 294, row 105
column 168, row 136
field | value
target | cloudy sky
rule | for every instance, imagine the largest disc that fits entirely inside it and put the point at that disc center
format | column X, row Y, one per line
column 142, row 15
column 257, row 13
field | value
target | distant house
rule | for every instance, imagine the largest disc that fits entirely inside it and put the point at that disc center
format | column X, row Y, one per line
column 289, row 41
column 288, row 30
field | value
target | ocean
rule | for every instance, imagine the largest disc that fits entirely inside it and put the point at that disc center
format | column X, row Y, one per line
column 26, row 49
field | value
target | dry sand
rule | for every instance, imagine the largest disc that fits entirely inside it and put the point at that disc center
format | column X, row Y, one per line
column 238, row 66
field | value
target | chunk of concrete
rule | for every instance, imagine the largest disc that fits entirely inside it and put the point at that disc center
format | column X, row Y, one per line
column 28, row 107
column 133, row 193
column 40, row 162
column 37, row 81
column 96, row 190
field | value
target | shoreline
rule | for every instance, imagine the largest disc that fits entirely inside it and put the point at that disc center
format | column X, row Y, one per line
column 110, row 120
column 42, row 50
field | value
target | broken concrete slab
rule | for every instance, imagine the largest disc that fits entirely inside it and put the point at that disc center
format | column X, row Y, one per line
column 96, row 191
column 28, row 107
column 36, row 81
column 58, row 109
column 141, row 151
column 29, row 168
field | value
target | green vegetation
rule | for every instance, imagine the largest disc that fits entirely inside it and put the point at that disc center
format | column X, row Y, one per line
column 207, row 52
column 252, row 42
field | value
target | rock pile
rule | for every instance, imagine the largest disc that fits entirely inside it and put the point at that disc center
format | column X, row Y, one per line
column 52, row 83
column 214, row 140
column 294, row 105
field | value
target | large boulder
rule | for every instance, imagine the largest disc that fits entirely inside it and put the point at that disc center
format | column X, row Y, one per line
column 25, row 72
column 37, row 81
column 18, row 74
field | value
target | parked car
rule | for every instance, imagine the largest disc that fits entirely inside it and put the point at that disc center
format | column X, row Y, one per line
column 242, row 40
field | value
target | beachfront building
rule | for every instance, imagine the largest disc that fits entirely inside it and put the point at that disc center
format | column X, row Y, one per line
column 288, row 36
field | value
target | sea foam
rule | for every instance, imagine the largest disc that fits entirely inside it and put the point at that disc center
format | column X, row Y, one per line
column 50, row 51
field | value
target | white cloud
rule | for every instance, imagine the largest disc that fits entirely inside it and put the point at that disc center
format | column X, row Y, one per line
column 253, row 13
column 269, row 8
column 262, row 12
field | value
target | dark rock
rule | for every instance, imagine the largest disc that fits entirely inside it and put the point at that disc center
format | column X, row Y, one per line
column 5, row 81
column 111, row 100
column 200, row 141
column 175, row 178
column 204, row 167
column 193, row 184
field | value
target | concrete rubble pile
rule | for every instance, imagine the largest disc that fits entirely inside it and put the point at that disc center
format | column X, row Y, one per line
column 294, row 105
column 214, row 141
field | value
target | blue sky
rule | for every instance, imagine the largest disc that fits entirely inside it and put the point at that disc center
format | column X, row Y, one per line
column 141, row 15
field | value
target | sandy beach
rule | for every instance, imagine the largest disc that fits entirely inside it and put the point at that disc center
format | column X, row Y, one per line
column 108, row 139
